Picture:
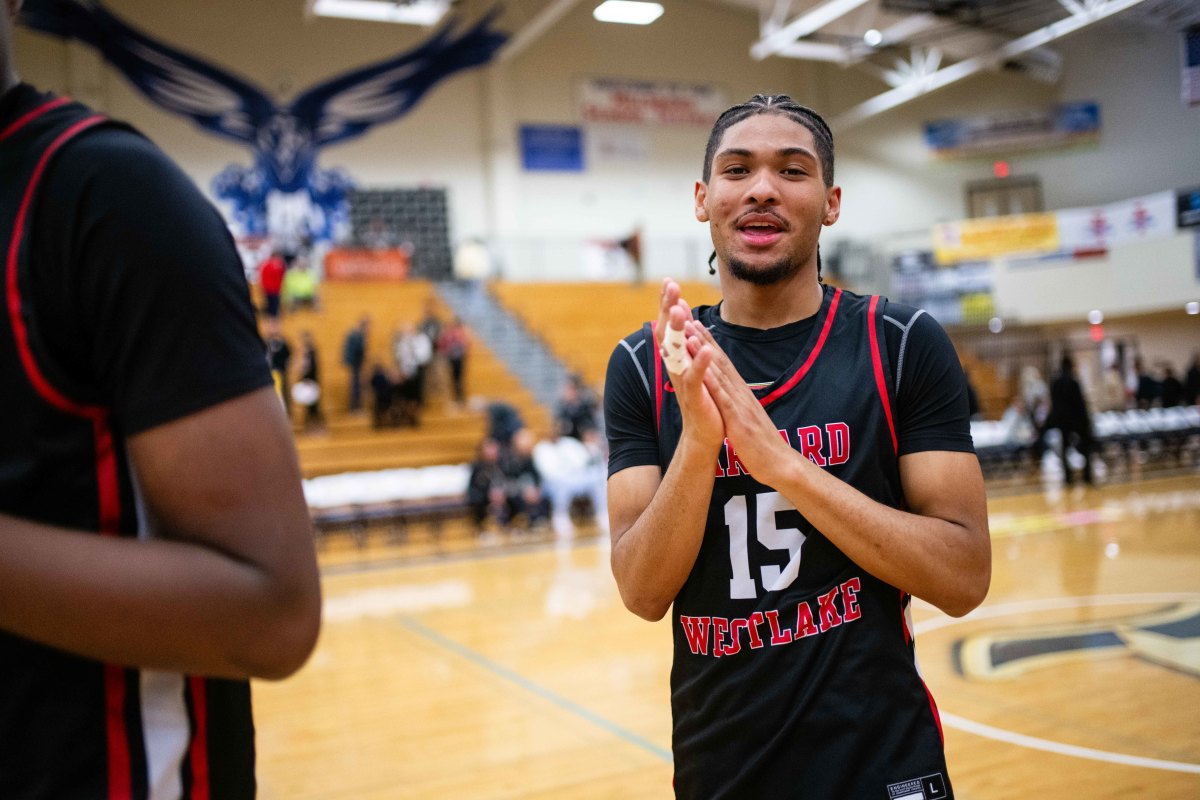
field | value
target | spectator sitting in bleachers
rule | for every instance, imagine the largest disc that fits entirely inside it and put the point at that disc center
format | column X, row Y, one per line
column 503, row 422
column 486, row 496
column 383, row 389
column 576, row 411
column 573, row 469
column 524, row 484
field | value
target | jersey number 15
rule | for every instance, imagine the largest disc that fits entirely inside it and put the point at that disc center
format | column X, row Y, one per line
column 768, row 506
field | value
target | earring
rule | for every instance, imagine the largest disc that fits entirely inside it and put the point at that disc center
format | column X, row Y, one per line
column 711, row 269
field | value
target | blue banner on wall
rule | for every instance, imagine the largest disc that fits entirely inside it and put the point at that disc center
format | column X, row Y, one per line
column 1187, row 205
column 552, row 148
column 1066, row 123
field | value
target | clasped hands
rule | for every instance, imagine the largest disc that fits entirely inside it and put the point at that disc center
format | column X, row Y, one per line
column 714, row 400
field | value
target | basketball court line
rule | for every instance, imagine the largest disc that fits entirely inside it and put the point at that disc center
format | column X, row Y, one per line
column 535, row 689
column 1048, row 745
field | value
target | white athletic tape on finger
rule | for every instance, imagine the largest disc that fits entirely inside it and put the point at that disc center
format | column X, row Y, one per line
column 674, row 351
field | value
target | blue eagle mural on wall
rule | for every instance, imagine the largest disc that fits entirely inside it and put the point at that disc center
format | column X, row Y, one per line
column 284, row 193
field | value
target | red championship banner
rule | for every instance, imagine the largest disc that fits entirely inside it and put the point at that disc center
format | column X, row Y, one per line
column 363, row 264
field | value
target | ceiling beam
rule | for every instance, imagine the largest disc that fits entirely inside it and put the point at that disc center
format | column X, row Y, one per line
column 816, row 51
column 963, row 69
column 771, row 43
column 544, row 21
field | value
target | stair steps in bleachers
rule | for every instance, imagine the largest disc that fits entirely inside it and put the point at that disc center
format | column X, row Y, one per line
column 523, row 353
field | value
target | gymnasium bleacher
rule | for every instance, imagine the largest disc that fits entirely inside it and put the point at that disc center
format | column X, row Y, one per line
column 358, row 477
column 445, row 435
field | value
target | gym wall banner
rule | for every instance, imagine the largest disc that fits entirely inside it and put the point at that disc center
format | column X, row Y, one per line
column 1150, row 216
column 1190, row 83
column 350, row 264
column 634, row 102
column 975, row 239
column 1020, row 129
column 551, row 148
column 1187, row 207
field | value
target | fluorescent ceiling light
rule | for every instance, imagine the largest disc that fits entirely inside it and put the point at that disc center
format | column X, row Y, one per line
column 628, row 11
column 416, row 12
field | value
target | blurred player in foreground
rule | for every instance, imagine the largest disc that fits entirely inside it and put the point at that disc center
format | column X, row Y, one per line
column 155, row 547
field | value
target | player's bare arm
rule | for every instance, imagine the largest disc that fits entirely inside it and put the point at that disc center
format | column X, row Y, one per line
column 657, row 521
column 228, row 587
column 939, row 550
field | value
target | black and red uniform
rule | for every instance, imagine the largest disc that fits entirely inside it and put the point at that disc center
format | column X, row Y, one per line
column 114, row 271
column 794, row 669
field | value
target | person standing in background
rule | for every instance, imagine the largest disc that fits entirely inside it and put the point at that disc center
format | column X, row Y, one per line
column 307, row 390
column 454, row 344
column 1069, row 414
column 354, row 355
column 1191, row 383
column 270, row 280
column 1171, row 390
column 279, row 358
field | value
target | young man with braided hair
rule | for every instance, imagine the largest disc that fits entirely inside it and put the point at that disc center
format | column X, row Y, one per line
column 788, row 468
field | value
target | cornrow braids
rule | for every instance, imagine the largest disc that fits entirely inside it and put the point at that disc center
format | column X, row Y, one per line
column 774, row 104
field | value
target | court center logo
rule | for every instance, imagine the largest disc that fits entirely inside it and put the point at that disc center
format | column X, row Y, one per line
column 1169, row 638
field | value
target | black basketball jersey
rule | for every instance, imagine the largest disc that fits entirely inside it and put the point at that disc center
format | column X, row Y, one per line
column 72, row 727
column 794, row 669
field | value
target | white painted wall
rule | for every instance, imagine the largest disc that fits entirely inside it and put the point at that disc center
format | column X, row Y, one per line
column 1132, row 278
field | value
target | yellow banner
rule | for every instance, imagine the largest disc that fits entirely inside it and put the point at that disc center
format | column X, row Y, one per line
column 975, row 239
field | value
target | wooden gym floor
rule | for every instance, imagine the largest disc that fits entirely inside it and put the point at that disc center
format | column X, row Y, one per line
column 514, row 671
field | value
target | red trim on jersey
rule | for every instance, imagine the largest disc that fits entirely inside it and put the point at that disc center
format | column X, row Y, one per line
column 936, row 716
column 43, row 387
column 30, row 116
column 107, row 481
column 658, row 377
column 120, row 778
column 904, row 619
column 808, row 362
column 880, row 380
column 198, row 749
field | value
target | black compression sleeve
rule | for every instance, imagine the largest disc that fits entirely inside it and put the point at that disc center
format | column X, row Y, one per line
column 142, row 292
column 628, row 410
